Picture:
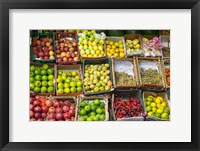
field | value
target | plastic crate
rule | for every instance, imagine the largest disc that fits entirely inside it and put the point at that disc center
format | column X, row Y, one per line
column 38, row 36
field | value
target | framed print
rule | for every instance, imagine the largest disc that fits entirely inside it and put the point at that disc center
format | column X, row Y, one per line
column 99, row 75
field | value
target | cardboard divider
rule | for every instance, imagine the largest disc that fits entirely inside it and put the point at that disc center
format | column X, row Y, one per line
column 69, row 68
column 155, row 94
column 157, row 60
column 150, row 37
column 39, row 35
column 136, row 76
column 92, row 98
column 51, row 65
column 132, row 37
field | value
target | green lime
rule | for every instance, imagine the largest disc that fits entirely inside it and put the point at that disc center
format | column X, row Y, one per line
column 102, row 117
column 157, row 115
column 74, row 73
column 66, row 90
column 82, row 118
column 82, row 112
column 148, row 108
column 102, row 104
column 99, row 110
column 96, row 102
column 95, row 118
column 89, row 119
column 68, row 80
column 83, row 104
column 73, row 89
column 148, row 103
column 93, row 107
column 87, row 108
column 66, row 85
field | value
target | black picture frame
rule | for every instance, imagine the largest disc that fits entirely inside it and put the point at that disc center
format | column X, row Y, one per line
column 5, row 5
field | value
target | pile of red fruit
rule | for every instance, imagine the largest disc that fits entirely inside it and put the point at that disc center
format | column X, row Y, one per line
column 51, row 110
column 131, row 107
column 43, row 48
column 66, row 50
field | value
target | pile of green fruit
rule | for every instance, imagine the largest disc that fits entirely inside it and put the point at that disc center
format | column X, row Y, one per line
column 97, row 78
column 42, row 79
column 91, row 45
column 68, row 82
column 157, row 106
column 132, row 45
column 92, row 111
column 124, row 79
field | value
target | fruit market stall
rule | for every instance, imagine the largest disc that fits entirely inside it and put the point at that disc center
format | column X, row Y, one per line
column 100, row 75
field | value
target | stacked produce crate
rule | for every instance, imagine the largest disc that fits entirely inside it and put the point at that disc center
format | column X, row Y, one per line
column 95, row 75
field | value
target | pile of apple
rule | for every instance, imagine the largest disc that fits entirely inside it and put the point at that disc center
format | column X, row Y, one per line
column 91, row 44
column 42, row 109
column 66, row 50
column 97, row 78
column 43, row 48
column 68, row 82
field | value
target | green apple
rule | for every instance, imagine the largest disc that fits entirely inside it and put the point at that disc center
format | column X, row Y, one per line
column 32, row 79
column 37, row 71
column 60, row 91
column 32, row 74
column 32, row 86
column 50, row 89
column 43, row 89
column 45, row 66
column 50, row 77
column 38, row 77
column 79, row 83
column 50, row 83
column 44, row 78
column 32, row 68
column 43, row 72
column 66, row 85
column 60, row 85
column 72, row 84
column 44, row 83
column 38, row 83
column 66, row 90
column 50, row 71
column 79, row 89
column 73, row 89
column 37, row 89
column 60, row 72
column 59, row 80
